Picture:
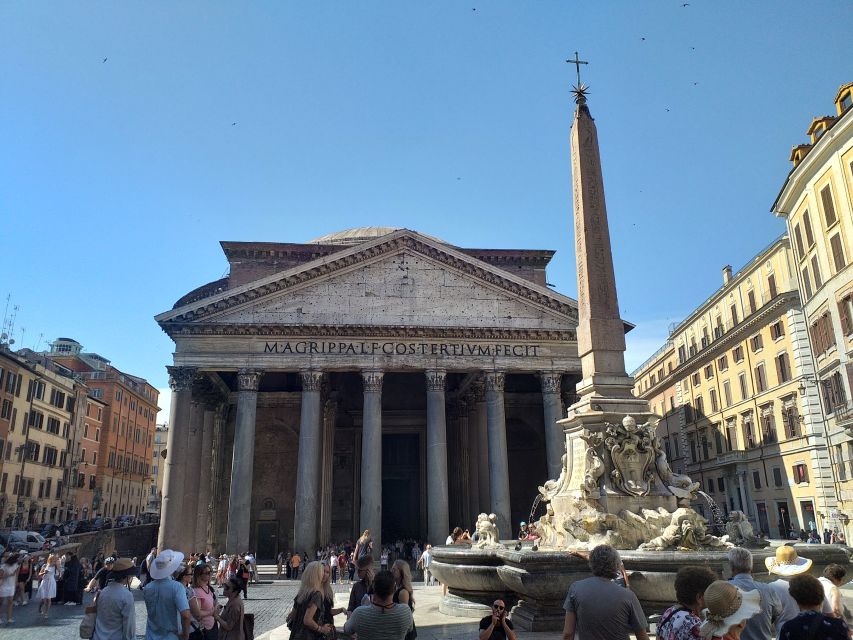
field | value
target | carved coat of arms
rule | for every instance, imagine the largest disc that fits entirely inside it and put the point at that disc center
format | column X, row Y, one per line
column 632, row 454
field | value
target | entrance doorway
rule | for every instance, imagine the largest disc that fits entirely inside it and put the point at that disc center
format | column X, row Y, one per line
column 763, row 522
column 784, row 520
column 807, row 511
column 401, row 487
column 267, row 538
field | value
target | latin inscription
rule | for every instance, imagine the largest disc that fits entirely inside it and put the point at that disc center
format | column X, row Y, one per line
column 321, row 347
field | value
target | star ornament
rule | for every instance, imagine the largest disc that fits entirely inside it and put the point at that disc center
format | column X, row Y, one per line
column 580, row 92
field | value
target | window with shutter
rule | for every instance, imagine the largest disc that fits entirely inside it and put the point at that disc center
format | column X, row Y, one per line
column 837, row 252
column 844, row 308
column 807, row 225
column 771, row 285
column 818, row 281
column 751, row 297
column 807, row 285
column 798, row 238
column 828, row 206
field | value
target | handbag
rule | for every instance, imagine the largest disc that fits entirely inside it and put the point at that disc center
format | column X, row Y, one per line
column 87, row 624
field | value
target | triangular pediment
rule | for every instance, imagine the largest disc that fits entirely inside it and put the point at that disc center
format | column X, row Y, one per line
column 401, row 279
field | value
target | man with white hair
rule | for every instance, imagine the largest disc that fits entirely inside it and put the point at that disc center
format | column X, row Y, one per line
column 765, row 624
column 599, row 609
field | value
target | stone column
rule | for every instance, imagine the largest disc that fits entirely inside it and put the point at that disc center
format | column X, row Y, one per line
column 473, row 445
column 307, row 508
column 371, row 458
column 436, row 457
column 480, row 428
column 327, row 466
column 174, row 470
column 555, row 441
column 203, row 515
column 242, row 465
column 741, row 492
column 192, row 480
column 498, row 461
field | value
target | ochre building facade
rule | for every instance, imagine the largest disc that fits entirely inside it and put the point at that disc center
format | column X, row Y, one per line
column 738, row 414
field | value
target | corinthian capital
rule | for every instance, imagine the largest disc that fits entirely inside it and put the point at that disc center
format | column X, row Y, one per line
column 248, row 379
column 551, row 381
column 311, row 380
column 495, row 380
column 182, row 378
column 435, row 379
column 372, row 381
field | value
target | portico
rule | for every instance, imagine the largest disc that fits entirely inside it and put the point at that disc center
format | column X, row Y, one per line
column 397, row 372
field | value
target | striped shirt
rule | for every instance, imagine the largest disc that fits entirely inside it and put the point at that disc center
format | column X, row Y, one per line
column 371, row 622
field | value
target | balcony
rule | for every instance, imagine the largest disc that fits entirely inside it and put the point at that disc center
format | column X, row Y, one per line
column 731, row 457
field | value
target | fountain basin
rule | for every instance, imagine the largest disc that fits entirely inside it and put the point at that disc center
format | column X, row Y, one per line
column 535, row 583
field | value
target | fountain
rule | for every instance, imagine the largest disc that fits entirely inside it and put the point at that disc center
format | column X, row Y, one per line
column 615, row 486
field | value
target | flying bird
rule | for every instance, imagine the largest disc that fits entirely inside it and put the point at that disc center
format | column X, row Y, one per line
column 233, row 124
column 686, row 4
column 642, row 38
column 103, row 61
column 667, row 110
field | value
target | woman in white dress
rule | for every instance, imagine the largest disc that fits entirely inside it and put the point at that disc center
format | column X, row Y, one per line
column 47, row 589
column 8, row 583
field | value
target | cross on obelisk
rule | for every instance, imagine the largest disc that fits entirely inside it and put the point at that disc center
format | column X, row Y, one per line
column 577, row 62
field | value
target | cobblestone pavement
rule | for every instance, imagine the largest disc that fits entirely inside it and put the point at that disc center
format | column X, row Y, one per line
column 270, row 600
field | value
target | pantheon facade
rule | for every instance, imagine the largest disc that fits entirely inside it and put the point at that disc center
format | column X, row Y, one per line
column 375, row 378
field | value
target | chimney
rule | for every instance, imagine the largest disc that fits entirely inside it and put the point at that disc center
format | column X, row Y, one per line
column 727, row 274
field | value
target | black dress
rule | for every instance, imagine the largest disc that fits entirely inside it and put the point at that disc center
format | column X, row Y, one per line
column 414, row 632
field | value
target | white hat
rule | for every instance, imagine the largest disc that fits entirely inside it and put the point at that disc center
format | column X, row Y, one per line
column 787, row 562
column 165, row 564
column 726, row 606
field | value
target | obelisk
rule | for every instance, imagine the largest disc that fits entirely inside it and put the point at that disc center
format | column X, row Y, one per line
column 604, row 393
column 601, row 332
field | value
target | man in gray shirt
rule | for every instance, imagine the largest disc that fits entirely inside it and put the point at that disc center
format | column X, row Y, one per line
column 764, row 625
column 597, row 608
column 382, row 619
column 116, row 617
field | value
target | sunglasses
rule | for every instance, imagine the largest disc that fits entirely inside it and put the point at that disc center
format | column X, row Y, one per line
column 499, row 607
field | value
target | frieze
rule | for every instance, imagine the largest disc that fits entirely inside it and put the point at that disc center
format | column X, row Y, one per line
column 323, row 347
column 368, row 331
column 394, row 244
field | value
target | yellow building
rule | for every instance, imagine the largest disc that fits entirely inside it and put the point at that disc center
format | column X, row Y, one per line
column 737, row 413
column 34, row 481
column 816, row 202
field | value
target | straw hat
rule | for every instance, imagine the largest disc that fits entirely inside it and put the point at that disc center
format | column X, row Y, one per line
column 787, row 562
column 726, row 606
column 122, row 568
column 165, row 564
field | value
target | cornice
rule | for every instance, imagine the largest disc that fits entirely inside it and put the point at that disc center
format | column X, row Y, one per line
column 784, row 300
column 327, row 265
column 829, row 142
column 368, row 331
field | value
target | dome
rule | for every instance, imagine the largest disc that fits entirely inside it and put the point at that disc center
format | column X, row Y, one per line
column 357, row 235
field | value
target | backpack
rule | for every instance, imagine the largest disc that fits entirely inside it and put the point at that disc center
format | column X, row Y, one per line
column 249, row 626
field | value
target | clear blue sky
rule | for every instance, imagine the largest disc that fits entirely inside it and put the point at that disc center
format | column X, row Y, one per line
column 118, row 178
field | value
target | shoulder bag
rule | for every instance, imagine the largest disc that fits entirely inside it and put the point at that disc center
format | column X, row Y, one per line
column 87, row 624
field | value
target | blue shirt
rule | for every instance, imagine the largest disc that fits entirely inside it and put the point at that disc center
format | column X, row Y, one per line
column 164, row 600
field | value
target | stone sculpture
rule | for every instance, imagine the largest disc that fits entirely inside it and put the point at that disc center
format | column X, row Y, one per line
column 686, row 532
column 487, row 530
column 624, row 494
column 739, row 532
